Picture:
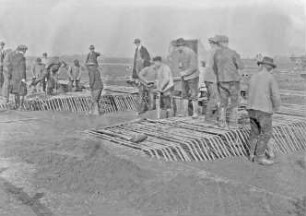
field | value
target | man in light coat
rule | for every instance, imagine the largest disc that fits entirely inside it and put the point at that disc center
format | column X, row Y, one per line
column 158, row 79
column 263, row 101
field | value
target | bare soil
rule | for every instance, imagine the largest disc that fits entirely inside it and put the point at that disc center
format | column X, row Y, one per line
column 48, row 166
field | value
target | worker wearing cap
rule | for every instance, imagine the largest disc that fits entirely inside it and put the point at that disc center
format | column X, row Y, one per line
column 15, row 75
column 92, row 57
column 141, row 58
column 209, row 78
column 227, row 62
column 263, row 101
column 2, row 55
column 158, row 78
column 37, row 71
column 74, row 75
column 189, row 73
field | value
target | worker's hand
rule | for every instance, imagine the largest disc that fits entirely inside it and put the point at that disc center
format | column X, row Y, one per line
column 23, row 80
column 182, row 73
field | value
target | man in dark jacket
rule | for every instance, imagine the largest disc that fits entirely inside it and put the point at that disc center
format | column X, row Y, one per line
column 141, row 58
column 15, row 72
column 92, row 56
column 2, row 55
column 226, row 64
column 96, row 87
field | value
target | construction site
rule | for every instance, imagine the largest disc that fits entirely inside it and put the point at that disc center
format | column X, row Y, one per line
column 57, row 160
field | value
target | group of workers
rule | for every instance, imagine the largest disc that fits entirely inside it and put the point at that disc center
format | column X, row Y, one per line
column 45, row 72
column 221, row 78
column 155, row 79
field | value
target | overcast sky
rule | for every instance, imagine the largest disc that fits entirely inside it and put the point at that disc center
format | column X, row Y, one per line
column 272, row 27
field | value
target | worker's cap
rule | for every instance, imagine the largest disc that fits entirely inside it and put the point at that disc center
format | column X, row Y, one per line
column 2, row 43
column 137, row 41
column 221, row 39
column 91, row 47
column 267, row 61
column 38, row 60
column 180, row 42
column 212, row 40
column 157, row 58
column 22, row 47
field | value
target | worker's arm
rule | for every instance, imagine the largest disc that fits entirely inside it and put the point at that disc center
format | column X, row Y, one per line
column 69, row 72
column 164, row 79
column 275, row 95
column 33, row 71
column 193, row 65
column 87, row 58
column 24, row 70
column 142, row 75
column 237, row 60
column 98, row 54
column 80, row 73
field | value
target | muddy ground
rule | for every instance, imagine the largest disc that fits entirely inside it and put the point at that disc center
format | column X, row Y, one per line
column 48, row 166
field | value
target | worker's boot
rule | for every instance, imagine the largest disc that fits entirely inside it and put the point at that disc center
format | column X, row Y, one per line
column 183, row 112
column 262, row 160
column 195, row 106
column 232, row 118
column 222, row 118
column 270, row 150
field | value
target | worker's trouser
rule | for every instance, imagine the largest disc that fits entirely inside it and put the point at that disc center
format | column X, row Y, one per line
column 190, row 92
column 18, row 101
column 95, row 97
column 212, row 100
column 261, row 131
column 74, row 83
column 146, row 99
column 229, row 100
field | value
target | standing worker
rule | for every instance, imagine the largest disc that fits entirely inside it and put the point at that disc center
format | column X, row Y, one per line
column 210, row 81
column 95, row 81
column 15, row 74
column 2, row 55
column 141, row 58
column 227, row 62
column 263, row 101
column 189, row 73
column 74, row 75
column 37, row 71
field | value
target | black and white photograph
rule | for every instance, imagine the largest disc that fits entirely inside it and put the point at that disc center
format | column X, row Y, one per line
column 152, row 108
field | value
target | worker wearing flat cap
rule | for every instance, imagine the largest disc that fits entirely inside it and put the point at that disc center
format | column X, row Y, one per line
column 263, row 101
column 189, row 74
column 92, row 57
column 210, row 81
column 141, row 58
column 15, row 75
column 226, row 66
column 2, row 55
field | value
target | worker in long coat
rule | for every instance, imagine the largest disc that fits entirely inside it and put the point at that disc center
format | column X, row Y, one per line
column 15, row 75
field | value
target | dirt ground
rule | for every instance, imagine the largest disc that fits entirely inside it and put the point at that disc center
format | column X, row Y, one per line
column 49, row 166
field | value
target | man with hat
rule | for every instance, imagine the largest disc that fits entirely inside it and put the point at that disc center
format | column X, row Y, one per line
column 263, row 101
column 189, row 73
column 15, row 75
column 141, row 58
column 2, row 55
column 92, row 57
column 226, row 64
column 158, row 79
